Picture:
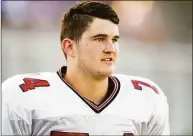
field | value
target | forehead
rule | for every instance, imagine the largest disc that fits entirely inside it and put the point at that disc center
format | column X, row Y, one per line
column 102, row 26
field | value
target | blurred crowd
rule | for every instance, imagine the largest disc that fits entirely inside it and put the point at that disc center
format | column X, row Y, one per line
column 147, row 21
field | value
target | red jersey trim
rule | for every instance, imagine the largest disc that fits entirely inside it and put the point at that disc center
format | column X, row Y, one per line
column 100, row 107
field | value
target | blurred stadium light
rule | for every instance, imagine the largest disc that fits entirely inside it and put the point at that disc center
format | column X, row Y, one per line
column 133, row 11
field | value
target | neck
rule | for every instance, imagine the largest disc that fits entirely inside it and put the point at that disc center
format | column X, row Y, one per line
column 89, row 87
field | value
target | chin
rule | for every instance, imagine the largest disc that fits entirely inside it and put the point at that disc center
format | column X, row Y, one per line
column 107, row 72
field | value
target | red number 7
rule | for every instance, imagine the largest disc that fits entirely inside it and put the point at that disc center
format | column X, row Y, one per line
column 138, row 87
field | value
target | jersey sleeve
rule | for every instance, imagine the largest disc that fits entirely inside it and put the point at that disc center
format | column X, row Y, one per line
column 15, row 119
column 159, row 123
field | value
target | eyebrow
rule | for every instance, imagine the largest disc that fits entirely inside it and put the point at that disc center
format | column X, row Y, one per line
column 104, row 35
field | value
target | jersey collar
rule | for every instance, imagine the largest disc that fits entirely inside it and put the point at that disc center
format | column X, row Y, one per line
column 113, row 89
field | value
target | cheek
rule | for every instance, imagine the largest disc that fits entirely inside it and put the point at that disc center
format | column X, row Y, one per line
column 117, row 50
column 94, row 53
column 90, row 52
column 93, row 49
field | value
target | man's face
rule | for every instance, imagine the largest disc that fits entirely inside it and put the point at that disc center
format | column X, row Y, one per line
column 98, row 48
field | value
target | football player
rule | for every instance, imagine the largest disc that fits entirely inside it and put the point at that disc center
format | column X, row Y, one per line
column 85, row 97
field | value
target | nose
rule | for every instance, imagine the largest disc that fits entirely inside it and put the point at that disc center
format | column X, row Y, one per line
column 109, row 47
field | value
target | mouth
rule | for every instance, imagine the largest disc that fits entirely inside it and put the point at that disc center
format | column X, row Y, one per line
column 107, row 60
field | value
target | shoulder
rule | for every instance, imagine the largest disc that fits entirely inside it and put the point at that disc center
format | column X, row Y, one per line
column 18, row 86
column 18, row 79
column 144, row 88
column 143, row 84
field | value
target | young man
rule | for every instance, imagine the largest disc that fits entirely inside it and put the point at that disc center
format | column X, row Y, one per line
column 85, row 97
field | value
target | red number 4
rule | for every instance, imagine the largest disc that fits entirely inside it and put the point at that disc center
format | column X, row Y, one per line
column 137, row 86
column 31, row 83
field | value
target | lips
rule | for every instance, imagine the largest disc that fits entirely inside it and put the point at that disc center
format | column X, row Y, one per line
column 107, row 59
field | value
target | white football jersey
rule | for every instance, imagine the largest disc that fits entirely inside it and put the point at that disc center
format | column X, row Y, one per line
column 45, row 104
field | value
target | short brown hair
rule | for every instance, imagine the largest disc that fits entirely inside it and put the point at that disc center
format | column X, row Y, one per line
column 78, row 18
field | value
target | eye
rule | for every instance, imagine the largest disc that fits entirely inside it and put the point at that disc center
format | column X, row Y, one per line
column 115, row 40
column 100, row 39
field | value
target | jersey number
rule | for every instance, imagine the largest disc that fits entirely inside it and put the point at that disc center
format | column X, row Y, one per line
column 137, row 86
column 55, row 133
column 31, row 83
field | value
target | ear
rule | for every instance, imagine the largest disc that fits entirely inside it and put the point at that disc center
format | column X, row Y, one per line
column 68, row 47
